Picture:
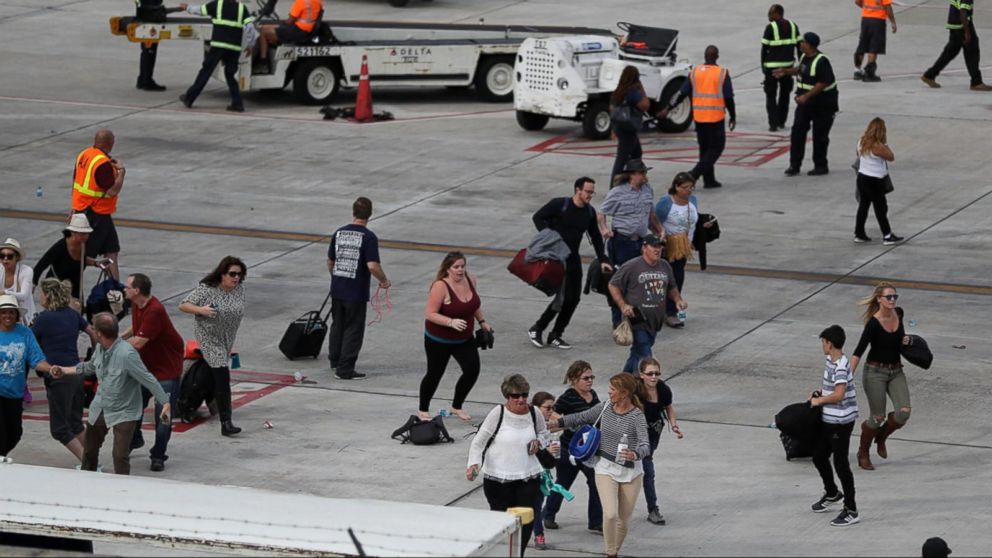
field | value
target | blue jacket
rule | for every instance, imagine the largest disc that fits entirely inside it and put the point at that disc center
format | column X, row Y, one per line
column 664, row 206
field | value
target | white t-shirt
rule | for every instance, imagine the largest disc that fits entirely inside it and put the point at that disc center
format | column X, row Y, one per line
column 871, row 164
column 681, row 218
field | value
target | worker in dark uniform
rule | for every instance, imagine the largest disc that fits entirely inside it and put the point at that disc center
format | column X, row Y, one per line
column 229, row 17
column 779, row 49
column 151, row 10
column 961, row 26
column 712, row 98
column 816, row 105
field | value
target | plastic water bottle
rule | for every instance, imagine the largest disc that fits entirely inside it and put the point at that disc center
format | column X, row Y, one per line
column 38, row 193
column 442, row 413
column 235, row 361
column 911, row 323
column 772, row 425
column 681, row 315
column 623, row 445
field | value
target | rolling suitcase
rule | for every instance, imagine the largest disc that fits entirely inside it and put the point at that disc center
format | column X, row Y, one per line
column 305, row 335
column 544, row 275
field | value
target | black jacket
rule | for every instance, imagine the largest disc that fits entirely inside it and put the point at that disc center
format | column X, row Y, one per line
column 571, row 402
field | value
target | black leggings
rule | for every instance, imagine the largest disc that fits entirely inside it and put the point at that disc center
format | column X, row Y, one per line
column 11, row 425
column 872, row 192
column 519, row 493
column 222, row 391
column 438, row 355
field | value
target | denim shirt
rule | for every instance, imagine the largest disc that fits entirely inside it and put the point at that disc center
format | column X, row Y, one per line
column 121, row 375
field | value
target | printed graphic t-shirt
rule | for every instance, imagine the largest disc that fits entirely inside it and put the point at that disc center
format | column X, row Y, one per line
column 645, row 287
column 17, row 347
column 352, row 248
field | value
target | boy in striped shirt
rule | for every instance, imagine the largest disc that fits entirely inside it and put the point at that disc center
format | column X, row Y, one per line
column 839, row 401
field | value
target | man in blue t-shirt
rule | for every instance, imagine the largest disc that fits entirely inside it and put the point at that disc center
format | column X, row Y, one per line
column 19, row 350
column 352, row 260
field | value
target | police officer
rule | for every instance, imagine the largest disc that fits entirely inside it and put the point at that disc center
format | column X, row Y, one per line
column 779, row 48
column 712, row 97
column 961, row 27
column 816, row 105
column 151, row 10
column 229, row 17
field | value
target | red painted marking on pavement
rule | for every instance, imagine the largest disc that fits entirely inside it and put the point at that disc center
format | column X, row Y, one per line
column 38, row 409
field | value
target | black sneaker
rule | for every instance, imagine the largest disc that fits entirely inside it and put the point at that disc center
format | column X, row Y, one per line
column 535, row 336
column 596, row 529
column 158, row 465
column 859, row 75
column 861, row 239
column 352, row 376
column 549, row 523
column 792, row 171
column 235, row 108
column 846, row 517
column 186, row 102
column 871, row 78
column 713, row 184
column 818, row 171
column 557, row 342
column 773, row 128
column 822, row 504
column 891, row 239
column 149, row 86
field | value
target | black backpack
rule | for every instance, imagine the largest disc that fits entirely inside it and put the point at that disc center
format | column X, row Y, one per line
column 422, row 432
column 197, row 386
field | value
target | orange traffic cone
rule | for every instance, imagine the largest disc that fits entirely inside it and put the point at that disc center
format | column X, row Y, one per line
column 363, row 105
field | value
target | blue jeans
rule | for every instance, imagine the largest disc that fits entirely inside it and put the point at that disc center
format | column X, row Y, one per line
column 565, row 474
column 643, row 342
column 539, row 514
column 621, row 249
column 678, row 269
column 650, row 495
column 163, row 431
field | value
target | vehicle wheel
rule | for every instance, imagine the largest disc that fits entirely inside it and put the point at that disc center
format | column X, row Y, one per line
column 679, row 118
column 494, row 78
column 531, row 121
column 315, row 82
column 398, row 3
column 596, row 121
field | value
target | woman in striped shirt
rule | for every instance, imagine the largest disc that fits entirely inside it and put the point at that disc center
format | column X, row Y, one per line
column 618, row 470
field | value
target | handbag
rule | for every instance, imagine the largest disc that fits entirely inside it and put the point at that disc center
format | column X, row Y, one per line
column 623, row 335
column 422, row 432
column 625, row 118
column 917, row 352
column 107, row 296
column 585, row 442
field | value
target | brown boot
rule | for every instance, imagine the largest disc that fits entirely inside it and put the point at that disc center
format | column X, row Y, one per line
column 867, row 435
column 888, row 428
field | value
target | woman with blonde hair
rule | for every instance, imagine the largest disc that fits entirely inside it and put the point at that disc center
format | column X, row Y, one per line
column 883, row 375
column 453, row 307
column 618, row 469
column 874, row 156
column 57, row 330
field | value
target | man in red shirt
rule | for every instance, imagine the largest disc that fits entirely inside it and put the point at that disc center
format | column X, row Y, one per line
column 161, row 349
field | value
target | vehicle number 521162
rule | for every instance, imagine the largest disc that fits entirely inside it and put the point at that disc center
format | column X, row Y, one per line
column 315, row 51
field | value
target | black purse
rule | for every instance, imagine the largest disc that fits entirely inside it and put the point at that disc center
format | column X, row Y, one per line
column 422, row 432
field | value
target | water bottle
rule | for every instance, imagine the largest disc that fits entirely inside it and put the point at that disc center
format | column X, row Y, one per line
column 442, row 413
column 681, row 315
column 772, row 425
column 38, row 193
column 623, row 445
column 235, row 361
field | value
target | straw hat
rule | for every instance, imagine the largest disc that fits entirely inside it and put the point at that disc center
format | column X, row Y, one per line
column 15, row 246
column 10, row 301
column 79, row 223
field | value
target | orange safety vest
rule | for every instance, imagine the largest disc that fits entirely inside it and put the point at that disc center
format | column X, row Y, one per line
column 707, row 93
column 85, row 192
column 306, row 12
column 875, row 8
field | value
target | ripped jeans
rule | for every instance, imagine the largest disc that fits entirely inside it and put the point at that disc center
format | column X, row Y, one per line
column 879, row 382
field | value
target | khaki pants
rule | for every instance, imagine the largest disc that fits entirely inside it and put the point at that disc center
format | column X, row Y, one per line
column 95, row 434
column 618, row 500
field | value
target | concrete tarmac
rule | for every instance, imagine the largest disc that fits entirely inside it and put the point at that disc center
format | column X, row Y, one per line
column 454, row 172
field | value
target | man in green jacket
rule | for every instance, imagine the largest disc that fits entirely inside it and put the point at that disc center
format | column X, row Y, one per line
column 117, row 404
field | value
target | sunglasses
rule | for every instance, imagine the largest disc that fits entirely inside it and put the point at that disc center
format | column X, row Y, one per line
column 517, row 395
column 651, row 373
column 687, row 186
column 238, row 274
column 891, row 297
column 8, row 256
column 587, row 378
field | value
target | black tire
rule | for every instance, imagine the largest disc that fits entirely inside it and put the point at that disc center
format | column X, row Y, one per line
column 679, row 118
column 596, row 120
column 316, row 82
column 531, row 121
column 494, row 78
column 398, row 3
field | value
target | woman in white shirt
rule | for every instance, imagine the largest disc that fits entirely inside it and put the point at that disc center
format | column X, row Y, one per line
column 874, row 157
column 505, row 449
column 16, row 278
column 678, row 212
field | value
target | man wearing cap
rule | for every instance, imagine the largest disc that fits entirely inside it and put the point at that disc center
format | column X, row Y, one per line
column 936, row 547
column 96, row 186
column 640, row 289
column 117, row 404
column 161, row 349
column 961, row 35
column 712, row 98
column 872, row 38
column 630, row 204
column 19, row 350
column 816, row 106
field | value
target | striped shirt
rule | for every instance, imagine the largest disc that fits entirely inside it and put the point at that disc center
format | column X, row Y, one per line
column 612, row 427
column 845, row 410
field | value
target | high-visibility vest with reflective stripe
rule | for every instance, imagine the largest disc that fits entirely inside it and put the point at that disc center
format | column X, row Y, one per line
column 781, row 57
column 807, row 80
column 708, row 104
column 85, row 192
column 227, row 24
column 311, row 9
column 954, row 14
